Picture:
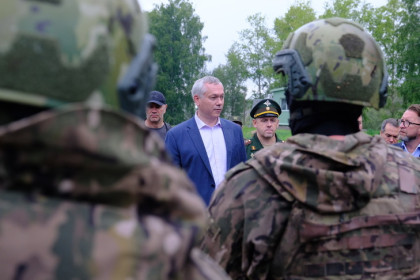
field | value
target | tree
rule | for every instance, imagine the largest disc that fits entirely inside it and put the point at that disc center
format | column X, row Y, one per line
column 396, row 28
column 343, row 8
column 233, row 75
column 256, row 53
column 296, row 16
column 180, row 55
column 382, row 24
column 408, row 46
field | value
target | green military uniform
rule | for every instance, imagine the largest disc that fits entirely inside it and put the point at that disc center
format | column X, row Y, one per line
column 255, row 145
column 263, row 108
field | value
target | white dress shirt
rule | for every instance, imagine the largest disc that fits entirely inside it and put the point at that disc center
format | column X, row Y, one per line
column 215, row 145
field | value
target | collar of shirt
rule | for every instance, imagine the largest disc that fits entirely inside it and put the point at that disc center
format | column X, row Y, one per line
column 416, row 152
column 201, row 124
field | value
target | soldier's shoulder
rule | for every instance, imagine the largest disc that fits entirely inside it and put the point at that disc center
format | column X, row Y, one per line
column 205, row 268
column 402, row 156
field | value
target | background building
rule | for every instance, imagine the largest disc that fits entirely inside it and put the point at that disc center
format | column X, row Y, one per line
column 278, row 94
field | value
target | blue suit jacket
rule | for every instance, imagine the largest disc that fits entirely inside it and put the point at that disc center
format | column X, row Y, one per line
column 187, row 150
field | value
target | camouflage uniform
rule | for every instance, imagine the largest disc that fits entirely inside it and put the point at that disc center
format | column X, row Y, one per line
column 317, row 208
column 86, row 191
column 90, row 194
column 331, row 204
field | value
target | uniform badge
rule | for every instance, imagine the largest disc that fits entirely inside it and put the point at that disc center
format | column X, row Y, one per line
column 267, row 103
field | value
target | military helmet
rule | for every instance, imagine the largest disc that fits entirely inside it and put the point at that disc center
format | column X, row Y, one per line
column 333, row 60
column 56, row 52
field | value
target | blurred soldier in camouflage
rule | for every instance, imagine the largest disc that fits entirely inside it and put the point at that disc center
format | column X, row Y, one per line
column 86, row 191
column 331, row 202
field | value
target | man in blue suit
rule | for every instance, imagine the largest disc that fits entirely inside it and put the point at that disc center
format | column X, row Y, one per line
column 206, row 146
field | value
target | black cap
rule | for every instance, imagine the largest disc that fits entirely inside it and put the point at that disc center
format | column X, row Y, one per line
column 237, row 120
column 156, row 97
column 265, row 108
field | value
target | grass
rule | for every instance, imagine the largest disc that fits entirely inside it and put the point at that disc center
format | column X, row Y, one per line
column 283, row 133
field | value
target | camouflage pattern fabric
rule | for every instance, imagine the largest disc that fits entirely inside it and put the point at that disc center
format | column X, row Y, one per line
column 54, row 52
column 344, row 63
column 89, row 193
column 319, row 208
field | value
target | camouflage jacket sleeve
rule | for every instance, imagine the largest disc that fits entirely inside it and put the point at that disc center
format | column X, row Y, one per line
column 89, row 193
column 258, row 215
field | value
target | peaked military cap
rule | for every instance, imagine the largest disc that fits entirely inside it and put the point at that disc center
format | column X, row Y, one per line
column 265, row 108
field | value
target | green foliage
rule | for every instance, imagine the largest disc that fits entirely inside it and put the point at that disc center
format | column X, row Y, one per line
column 372, row 119
column 372, row 132
column 247, row 131
column 256, row 51
column 408, row 46
column 283, row 134
column 179, row 54
column 296, row 16
column 342, row 8
column 233, row 75
column 396, row 29
column 382, row 23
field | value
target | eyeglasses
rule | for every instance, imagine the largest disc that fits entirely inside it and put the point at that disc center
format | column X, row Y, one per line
column 406, row 123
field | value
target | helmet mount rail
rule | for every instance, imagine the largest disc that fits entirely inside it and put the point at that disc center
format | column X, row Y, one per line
column 139, row 79
column 383, row 90
column 288, row 62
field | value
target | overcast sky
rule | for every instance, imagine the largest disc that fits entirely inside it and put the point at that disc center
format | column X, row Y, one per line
column 224, row 19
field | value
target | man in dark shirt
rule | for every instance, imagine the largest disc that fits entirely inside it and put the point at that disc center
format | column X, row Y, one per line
column 155, row 110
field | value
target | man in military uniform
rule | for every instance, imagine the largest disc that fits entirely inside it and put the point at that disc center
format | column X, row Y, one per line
column 331, row 202
column 86, row 191
column 265, row 115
